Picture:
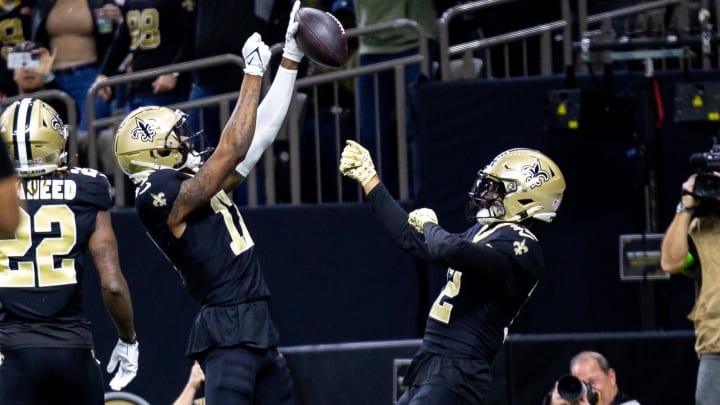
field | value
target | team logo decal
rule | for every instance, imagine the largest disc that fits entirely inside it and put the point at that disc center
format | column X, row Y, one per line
column 520, row 248
column 56, row 122
column 536, row 175
column 144, row 130
column 159, row 199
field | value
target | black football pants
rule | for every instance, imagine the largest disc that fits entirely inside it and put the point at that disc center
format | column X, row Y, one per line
column 240, row 375
column 50, row 376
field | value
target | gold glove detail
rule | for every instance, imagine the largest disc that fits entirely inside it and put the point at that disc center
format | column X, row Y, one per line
column 418, row 218
column 356, row 163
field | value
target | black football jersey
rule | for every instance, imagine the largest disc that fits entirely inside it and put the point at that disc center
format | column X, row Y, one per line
column 157, row 32
column 41, row 268
column 469, row 317
column 492, row 270
column 216, row 259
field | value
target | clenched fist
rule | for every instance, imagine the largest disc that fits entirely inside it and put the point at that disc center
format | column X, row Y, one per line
column 418, row 218
column 356, row 163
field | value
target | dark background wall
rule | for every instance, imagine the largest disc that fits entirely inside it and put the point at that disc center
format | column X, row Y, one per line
column 336, row 277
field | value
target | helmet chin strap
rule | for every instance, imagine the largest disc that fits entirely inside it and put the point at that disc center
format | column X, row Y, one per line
column 151, row 166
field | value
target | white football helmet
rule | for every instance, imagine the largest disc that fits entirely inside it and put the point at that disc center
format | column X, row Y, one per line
column 518, row 184
column 34, row 136
column 153, row 138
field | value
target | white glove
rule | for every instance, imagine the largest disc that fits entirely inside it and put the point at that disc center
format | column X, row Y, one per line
column 292, row 50
column 125, row 354
column 418, row 218
column 256, row 55
column 356, row 163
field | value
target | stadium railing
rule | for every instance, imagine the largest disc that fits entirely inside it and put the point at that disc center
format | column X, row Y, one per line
column 456, row 61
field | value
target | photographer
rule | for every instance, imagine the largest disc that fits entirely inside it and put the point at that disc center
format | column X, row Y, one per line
column 569, row 390
column 594, row 378
column 690, row 247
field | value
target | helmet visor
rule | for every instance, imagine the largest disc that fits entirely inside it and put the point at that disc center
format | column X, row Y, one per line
column 485, row 193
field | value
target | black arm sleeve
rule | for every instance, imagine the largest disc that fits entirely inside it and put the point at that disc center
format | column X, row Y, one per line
column 464, row 255
column 395, row 220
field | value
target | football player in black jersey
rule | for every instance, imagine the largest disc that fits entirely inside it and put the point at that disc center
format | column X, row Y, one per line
column 183, row 204
column 45, row 339
column 493, row 267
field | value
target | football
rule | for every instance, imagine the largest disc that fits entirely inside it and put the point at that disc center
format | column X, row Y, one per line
column 321, row 37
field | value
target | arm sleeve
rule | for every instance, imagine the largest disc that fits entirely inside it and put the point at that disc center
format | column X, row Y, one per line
column 270, row 116
column 395, row 221
column 464, row 255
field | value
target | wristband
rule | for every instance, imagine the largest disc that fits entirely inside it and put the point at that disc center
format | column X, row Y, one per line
column 130, row 341
column 681, row 208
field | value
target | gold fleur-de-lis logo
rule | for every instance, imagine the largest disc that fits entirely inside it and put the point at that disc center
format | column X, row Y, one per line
column 520, row 248
column 159, row 199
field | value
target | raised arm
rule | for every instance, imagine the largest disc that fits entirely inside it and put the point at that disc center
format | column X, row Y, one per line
column 357, row 164
column 234, row 140
column 274, row 106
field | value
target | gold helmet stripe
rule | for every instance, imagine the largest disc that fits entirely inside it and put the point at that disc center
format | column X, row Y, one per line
column 21, row 136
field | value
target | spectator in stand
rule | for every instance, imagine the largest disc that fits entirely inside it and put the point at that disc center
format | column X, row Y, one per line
column 156, row 33
column 33, row 80
column 219, row 23
column 30, row 80
column 81, row 31
column 15, row 18
column 381, row 47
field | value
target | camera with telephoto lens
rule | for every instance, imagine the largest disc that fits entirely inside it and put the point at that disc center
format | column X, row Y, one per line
column 571, row 388
column 707, row 185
